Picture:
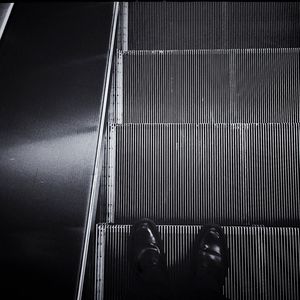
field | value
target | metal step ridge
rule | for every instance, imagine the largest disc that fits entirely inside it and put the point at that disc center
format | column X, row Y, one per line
column 264, row 261
column 217, row 124
column 191, row 174
column 209, row 25
column 199, row 87
column 208, row 51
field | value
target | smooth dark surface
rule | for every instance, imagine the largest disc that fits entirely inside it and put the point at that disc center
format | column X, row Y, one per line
column 52, row 62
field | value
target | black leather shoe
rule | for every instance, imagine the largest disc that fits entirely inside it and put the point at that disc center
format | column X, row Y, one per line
column 210, row 258
column 145, row 249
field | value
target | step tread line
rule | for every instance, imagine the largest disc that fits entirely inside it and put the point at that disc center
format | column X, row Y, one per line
column 259, row 257
column 191, row 174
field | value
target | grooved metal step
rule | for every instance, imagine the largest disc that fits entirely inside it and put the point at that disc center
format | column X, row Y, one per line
column 211, row 86
column 228, row 174
column 212, row 25
column 264, row 262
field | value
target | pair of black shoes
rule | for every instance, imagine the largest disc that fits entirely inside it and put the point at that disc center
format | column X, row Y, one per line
column 209, row 263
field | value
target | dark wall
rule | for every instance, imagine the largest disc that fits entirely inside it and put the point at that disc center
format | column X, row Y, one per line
column 52, row 61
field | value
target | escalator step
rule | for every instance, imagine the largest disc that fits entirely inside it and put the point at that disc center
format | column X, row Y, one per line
column 213, row 25
column 211, row 86
column 264, row 262
column 229, row 174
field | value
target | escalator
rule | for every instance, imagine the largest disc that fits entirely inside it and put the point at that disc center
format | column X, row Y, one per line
column 197, row 122
column 204, row 129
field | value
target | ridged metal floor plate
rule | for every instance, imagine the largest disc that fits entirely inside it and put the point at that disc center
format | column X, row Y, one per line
column 264, row 262
column 211, row 86
column 229, row 174
column 213, row 25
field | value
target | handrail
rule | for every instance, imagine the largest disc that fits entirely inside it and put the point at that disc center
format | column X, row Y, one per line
column 5, row 19
column 97, row 165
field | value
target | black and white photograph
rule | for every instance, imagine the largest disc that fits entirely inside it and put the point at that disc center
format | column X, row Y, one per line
column 150, row 150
